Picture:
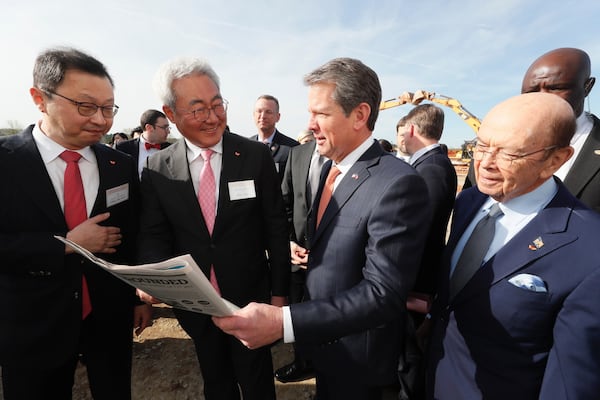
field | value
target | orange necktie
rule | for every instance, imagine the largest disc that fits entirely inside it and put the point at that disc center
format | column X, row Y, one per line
column 76, row 212
column 327, row 192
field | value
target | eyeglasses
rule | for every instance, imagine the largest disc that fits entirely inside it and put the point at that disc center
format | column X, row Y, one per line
column 203, row 113
column 503, row 159
column 165, row 127
column 86, row 109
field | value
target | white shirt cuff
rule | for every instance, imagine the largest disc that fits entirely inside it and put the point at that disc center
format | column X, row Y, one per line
column 288, row 327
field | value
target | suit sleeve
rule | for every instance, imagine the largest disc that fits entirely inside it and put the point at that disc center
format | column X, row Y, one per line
column 391, row 240
column 574, row 359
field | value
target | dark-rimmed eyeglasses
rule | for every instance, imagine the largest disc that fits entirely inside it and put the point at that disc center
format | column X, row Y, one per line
column 87, row 109
column 203, row 113
column 503, row 159
column 164, row 127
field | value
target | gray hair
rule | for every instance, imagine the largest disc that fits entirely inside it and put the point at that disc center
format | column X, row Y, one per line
column 176, row 69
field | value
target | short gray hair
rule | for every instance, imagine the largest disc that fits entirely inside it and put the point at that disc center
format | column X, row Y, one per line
column 176, row 69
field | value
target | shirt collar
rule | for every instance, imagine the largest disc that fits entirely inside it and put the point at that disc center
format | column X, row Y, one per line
column 348, row 161
column 422, row 151
column 194, row 151
column 50, row 150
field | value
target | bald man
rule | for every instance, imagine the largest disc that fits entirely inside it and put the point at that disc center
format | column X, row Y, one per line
column 524, row 322
column 566, row 72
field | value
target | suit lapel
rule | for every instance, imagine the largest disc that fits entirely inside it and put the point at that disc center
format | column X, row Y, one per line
column 544, row 234
column 587, row 163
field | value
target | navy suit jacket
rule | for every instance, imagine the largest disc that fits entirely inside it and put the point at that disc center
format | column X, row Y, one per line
column 363, row 261
column 495, row 340
column 280, row 149
column 440, row 177
column 40, row 318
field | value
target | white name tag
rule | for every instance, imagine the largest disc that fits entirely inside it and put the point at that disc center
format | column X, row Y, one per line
column 241, row 190
column 117, row 195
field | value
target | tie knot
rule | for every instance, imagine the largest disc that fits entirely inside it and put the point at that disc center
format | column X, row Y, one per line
column 206, row 154
column 495, row 211
column 333, row 173
column 70, row 156
column 152, row 146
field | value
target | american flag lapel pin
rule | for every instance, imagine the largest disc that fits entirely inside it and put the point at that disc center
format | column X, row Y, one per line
column 354, row 176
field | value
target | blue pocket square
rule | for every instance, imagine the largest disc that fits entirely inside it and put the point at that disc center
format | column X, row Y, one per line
column 529, row 282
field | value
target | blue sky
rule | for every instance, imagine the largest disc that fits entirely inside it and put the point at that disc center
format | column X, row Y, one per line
column 474, row 51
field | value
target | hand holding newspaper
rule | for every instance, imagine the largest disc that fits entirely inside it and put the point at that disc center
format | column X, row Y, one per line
column 178, row 282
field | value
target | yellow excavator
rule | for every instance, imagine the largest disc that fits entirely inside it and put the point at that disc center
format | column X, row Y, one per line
column 420, row 95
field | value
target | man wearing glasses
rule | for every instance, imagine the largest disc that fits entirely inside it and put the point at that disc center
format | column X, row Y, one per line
column 58, row 180
column 517, row 313
column 216, row 195
column 153, row 138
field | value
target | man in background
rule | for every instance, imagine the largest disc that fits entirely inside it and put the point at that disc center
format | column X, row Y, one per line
column 216, row 195
column 266, row 115
column 59, row 180
column 366, row 237
column 152, row 139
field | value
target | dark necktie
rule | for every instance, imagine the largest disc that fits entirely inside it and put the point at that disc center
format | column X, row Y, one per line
column 207, row 199
column 327, row 192
column 152, row 146
column 75, row 211
column 475, row 249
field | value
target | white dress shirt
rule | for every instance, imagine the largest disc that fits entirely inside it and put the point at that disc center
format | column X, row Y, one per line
column 88, row 167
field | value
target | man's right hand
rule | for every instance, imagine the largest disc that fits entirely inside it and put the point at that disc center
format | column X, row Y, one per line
column 94, row 237
column 299, row 254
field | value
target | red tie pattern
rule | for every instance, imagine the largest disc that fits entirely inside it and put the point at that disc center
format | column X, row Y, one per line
column 327, row 192
column 208, row 203
column 75, row 211
column 152, row 146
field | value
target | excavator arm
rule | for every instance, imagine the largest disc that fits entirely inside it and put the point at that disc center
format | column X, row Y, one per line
column 420, row 95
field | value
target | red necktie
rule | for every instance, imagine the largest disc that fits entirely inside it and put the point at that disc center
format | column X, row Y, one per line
column 327, row 192
column 75, row 211
column 152, row 146
column 208, row 203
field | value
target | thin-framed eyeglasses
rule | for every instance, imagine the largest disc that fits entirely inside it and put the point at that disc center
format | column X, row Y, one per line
column 87, row 109
column 203, row 113
column 164, row 127
column 503, row 159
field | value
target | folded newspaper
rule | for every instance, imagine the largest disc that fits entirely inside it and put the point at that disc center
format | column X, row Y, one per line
column 178, row 282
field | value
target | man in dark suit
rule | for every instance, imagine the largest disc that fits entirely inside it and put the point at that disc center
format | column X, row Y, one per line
column 520, row 320
column 299, row 188
column 266, row 115
column 565, row 72
column 213, row 171
column 57, row 305
column 365, row 245
column 422, row 129
column 152, row 139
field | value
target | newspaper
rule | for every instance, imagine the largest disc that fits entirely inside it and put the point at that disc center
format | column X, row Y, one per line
column 178, row 282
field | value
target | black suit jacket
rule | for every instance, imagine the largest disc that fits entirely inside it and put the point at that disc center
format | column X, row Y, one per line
column 583, row 179
column 280, row 149
column 39, row 285
column 172, row 222
column 363, row 260
column 132, row 147
column 296, row 197
column 440, row 177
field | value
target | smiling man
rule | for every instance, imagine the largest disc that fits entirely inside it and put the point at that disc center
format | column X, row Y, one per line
column 216, row 195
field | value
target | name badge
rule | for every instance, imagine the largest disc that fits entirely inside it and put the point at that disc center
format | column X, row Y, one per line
column 117, row 195
column 241, row 190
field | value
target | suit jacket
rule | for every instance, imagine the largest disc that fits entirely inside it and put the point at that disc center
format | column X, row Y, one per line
column 39, row 285
column 495, row 340
column 583, row 179
column 364, row 258
column 440, row 177
column 280, row 149
column 172, row 222
column 132, row 147
column 296, row 197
